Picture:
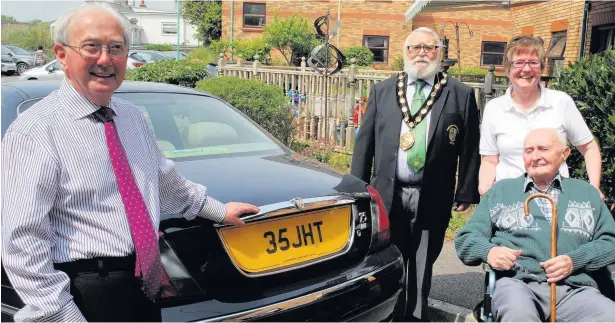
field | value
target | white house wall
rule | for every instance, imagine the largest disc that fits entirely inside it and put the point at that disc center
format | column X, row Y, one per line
column 152, row 29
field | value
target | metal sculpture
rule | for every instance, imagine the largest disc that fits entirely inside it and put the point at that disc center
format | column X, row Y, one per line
column 325, row 58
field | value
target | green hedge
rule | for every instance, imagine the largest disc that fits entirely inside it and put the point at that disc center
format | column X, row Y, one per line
column 363, row 55
column 468, row 70
column 160, row 47
column 398, row 64
column 183, row 72
column 591, row 83
column 250, row 47
column 204, row 54
column 265, row 104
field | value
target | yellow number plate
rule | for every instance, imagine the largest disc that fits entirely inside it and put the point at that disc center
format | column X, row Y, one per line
column 288, row 241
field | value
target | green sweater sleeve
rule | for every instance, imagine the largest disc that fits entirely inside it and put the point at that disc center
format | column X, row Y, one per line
column 473, row 240
column 600, row 251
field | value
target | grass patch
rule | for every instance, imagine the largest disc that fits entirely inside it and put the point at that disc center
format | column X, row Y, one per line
column 458, row 220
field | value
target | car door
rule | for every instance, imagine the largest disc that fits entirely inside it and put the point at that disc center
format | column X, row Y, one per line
column 54, row 72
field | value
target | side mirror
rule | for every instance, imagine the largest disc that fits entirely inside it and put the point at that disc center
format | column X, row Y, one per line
column 10, row 54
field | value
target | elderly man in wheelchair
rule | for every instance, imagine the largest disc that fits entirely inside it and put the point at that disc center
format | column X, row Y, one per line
column 516, row 246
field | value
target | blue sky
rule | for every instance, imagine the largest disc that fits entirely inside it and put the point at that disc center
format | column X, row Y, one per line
column 26, row 10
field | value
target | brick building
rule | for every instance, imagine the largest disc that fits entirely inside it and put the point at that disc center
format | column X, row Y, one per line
column 382, row 25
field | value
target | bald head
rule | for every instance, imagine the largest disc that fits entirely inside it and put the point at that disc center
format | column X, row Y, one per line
column 544, row 151
column 546, row 135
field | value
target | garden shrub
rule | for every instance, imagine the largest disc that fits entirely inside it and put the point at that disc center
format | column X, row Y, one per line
column 591, row 84
column 363, row 55
column 220, row 46
column 204, row 54
column 398, row 64
column 250, row 47
column 453, row 70
column 160, row 47
column 265, row 104
column 183, row 72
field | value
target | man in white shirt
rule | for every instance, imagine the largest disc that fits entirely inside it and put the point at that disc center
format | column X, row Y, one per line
column 84, row 184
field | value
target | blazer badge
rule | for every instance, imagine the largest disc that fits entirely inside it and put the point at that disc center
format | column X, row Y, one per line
column 453, row 131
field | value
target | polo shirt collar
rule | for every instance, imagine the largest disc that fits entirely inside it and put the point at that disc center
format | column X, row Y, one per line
column 77, row 105
column 543, row 102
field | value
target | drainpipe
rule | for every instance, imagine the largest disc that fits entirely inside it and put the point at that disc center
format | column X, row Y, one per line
column 339, row 13
column 232, row 25
column 178, row 29
column 586, row 9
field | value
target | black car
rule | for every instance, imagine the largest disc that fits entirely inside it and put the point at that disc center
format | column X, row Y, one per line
column 313, row 253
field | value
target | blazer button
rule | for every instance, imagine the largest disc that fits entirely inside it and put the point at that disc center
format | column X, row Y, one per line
column 392, row 179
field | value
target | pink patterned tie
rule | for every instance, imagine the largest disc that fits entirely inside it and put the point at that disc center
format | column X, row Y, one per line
column 148, row 264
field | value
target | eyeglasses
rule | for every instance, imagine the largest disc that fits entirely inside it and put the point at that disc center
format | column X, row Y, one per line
column 521, row 64
column 417, row 48
column 94, row 50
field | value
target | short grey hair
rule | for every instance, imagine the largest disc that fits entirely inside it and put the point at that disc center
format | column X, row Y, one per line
column 62, row 24
column 423, row 30
column 561, row 138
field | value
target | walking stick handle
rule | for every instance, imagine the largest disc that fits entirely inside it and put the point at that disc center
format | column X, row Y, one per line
column 526, row 210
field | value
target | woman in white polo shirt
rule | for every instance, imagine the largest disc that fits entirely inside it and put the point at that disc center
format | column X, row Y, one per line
column 528, row 105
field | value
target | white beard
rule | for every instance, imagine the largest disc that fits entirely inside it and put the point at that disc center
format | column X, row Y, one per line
column 424, row 72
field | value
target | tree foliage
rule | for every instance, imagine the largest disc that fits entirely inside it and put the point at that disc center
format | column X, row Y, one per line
column 206, row 16
column 293, row 36
column 183, row 72
column 591, row 83
column 8, row 19
column 29, row 37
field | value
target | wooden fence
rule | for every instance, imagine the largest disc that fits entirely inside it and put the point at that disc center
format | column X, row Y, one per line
column 324, row 106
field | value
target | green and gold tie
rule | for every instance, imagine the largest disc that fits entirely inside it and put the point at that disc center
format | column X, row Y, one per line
column 416, row 154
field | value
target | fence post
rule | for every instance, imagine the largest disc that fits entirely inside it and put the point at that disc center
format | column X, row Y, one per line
column 240, row 61
column 303, row 64
column 221, row 64
column 351, row 104
column 488, row 87
column 256, row 64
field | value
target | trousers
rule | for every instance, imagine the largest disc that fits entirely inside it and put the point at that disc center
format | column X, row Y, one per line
column 106, row 290
column 517, row 301
column 419, row 247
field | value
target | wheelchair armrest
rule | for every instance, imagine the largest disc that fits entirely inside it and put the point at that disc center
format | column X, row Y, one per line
column 611, row 269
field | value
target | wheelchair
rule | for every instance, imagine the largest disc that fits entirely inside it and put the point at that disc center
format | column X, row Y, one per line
column 483, row 311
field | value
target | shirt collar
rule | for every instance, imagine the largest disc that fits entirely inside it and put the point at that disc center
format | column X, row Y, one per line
column 429, row 80
column 76, row 104
column 556, row 183
column 542, row 102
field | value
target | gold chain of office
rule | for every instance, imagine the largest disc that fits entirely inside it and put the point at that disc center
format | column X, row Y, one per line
column 406, row 141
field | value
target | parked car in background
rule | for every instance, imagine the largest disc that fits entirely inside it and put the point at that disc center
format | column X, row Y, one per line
column 150, row 56
column 22, row 58
column 173, row 54
column 53, row 70
column 50, row 71
column 315, row 252
column 134, row 61
column 8, row 65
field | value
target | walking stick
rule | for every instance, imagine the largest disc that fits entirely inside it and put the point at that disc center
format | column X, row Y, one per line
column 526, row 209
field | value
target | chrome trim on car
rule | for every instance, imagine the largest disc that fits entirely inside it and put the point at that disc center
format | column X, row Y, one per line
column 263, row 312
column 286, row 208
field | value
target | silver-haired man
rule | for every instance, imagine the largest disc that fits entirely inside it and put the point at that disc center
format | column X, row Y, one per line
column 419, row 128
column 79, row 228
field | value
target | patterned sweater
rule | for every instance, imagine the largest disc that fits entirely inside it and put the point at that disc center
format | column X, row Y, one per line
column 586, row 230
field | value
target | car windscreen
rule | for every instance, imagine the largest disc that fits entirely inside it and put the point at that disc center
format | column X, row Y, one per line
column 197, row 127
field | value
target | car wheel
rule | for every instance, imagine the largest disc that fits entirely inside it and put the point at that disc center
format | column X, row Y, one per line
column 21, row 67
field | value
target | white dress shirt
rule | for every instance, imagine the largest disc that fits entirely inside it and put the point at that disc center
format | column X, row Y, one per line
column 504, row 127
column 60, row 198
column 404, row 173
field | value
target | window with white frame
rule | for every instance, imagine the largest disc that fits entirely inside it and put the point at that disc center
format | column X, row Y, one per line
column 169, row 28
